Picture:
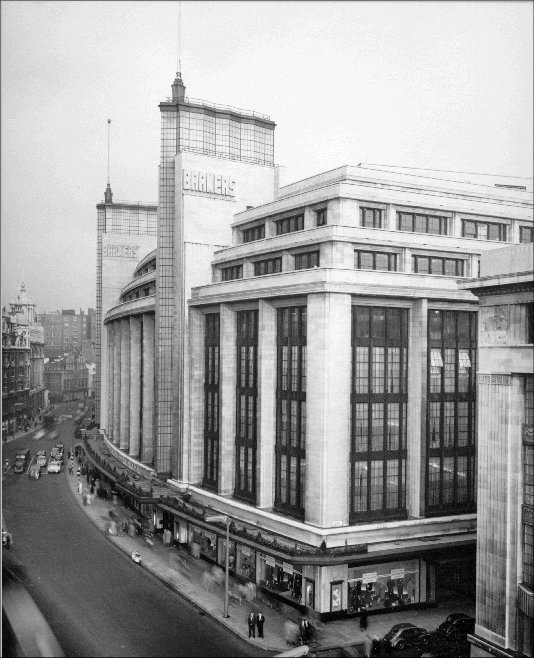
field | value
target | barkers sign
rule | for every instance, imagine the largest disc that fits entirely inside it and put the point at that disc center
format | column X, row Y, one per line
column 120, row 250
column 202, row 181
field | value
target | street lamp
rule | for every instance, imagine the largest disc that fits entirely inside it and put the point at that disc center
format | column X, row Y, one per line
column 224, row 519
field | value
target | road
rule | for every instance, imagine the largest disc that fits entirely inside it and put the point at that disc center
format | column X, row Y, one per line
column 97, row 602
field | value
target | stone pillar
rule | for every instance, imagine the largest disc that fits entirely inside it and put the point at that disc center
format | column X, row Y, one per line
column 125, row 385
column 406, row 264
column 455, row 225
column 116, row 382
column 248, row 268
column 416, row 408
column 227, row 388
column 148, row 389
column 195, row 466
column 390, row 218
column 328, row 409
column 135, row 384
column 309, row 218
column 266, row 423
column 107, row 390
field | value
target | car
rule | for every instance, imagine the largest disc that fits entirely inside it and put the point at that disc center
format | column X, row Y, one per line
column 406, row 636
column 53, row 434
column 21, row 460
column 41, row 458
column 34, row 472
column 53, row 466
column 60, row 447
column 457, row 624
column 39, row 434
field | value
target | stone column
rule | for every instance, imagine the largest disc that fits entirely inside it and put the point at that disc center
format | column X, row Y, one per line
column 227, row 379
column 135, row 384
column 106, row 388
column 148, row 389
column 416, row 408
column 116, row 381
column 390, row 217
column 195, row 467
column 266, row 422
column 125, row 385
column 328, row 409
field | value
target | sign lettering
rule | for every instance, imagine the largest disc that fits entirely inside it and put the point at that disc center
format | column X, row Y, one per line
column 120, row 251
column 203, row 181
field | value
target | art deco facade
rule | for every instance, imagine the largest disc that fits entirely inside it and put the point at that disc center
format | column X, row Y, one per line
column 505, row 536
column 315, row 374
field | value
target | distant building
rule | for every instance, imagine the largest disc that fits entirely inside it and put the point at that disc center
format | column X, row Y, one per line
column 66, row 330
column 505, row 393
column 23, row 390
column 67, row 377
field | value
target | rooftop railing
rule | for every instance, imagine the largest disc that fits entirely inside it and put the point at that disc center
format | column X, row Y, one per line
column 218, row 106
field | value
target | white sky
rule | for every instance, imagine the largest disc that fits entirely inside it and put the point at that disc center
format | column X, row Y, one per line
column 431, row 84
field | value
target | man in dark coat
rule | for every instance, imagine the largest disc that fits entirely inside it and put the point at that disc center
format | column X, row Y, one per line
column 260, row 619
column 251, row 625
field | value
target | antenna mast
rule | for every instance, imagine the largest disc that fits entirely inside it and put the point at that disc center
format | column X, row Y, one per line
column 109, row 130
column 179, row 45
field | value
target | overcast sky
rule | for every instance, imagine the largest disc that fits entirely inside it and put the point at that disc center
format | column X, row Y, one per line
column 431, row 84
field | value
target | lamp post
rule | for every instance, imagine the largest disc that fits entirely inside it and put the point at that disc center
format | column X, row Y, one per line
column 225, row 519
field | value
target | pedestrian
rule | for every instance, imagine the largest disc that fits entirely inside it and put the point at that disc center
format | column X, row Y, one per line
column 80, row 487
column 375, row 648
column 363, row 619
column 78, row 472
column 260, row 620
column 252, row 625
column 304, row 630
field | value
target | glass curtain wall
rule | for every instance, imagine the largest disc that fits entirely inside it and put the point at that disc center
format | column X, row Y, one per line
column 211, row 401
column 451, row 408
column 378, row 398
column 291, row 411
column 246, row 405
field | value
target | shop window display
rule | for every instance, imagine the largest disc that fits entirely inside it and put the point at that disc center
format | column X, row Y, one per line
column 202, row 543
column 280, row 577
column 387, row 586
column 246, row 561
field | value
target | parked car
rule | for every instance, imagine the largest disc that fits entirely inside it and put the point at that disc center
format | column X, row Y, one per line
column 406, row 636
column 457, row 624
column 34, row 472
column 41, row 458
column 53, row 466
column 21, row 460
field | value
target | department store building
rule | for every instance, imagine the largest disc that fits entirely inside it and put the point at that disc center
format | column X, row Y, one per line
column 305, row 362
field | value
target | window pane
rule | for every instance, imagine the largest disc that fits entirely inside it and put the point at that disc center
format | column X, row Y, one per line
column 360, row 487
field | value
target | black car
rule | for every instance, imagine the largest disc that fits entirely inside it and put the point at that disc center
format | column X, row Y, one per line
column 458, row 624
column 406, row 636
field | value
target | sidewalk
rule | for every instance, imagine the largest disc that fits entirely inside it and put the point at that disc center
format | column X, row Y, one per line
column 177, row 569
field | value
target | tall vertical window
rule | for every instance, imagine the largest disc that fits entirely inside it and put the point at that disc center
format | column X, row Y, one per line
column 321, row 217
column 451, row 409
column 378, row 399
column 211, row 400
column 371, row 217
column 246, row 405
column 526, row 234
column 291, row 410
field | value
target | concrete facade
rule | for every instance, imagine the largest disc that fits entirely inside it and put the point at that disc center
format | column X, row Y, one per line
column 505, row 580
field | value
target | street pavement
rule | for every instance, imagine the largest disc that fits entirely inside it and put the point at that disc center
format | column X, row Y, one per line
column 180, row 571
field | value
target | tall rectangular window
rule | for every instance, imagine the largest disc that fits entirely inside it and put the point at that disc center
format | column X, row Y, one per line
column 371, row 217
column 526, row 234
column 451, row 408
column 321, row 218
column 307, row 260
column 378, row 400
column 211, row 400
column 246, row 405
column 290, row 448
